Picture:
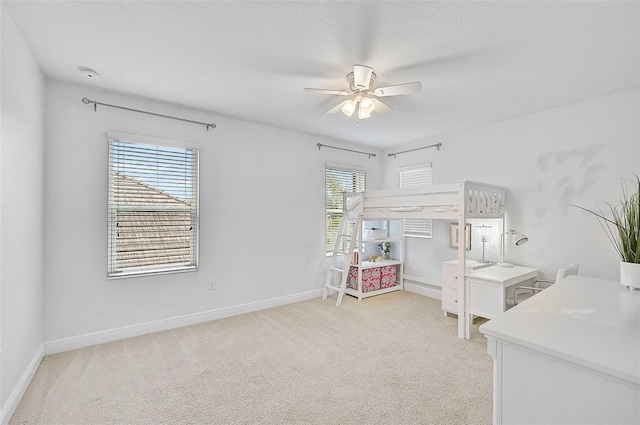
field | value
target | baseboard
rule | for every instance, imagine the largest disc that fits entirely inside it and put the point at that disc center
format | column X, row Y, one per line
column 428, row 288
column 72, row 343
column 20, row 388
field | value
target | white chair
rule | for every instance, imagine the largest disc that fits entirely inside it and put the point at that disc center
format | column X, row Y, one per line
column 562, row 273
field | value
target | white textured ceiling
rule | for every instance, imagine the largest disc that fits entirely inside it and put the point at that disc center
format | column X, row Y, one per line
column 479, row 62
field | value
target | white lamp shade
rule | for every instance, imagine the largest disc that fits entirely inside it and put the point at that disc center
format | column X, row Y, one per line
column 362, row 112
column 366, row 105
column 349, row 107
column 520, row 239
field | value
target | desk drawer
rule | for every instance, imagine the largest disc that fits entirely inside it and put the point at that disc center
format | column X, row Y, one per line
column 485, row 298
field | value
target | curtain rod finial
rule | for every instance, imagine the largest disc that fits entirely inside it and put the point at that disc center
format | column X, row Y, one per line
column 87, row 101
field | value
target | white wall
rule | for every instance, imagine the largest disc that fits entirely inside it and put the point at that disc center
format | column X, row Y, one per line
column 261, row 214
column 21, row 215
column 572, row 154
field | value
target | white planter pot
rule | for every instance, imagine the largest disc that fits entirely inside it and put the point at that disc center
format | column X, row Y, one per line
column 630, row 274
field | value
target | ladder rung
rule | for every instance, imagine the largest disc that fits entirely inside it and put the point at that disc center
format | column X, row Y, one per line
column 335, row 269
column 335, row 288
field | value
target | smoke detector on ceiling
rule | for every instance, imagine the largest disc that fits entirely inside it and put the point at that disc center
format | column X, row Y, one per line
column 89, row 73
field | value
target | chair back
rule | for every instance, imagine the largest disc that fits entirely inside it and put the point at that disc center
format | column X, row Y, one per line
column 564, row 272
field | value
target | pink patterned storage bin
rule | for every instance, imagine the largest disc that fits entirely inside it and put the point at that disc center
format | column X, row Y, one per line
column 373, row 279
column 388, row 278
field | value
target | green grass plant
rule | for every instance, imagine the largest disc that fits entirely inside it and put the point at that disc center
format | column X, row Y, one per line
column 622, row 221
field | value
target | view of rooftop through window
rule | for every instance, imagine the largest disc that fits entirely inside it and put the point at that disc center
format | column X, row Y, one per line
column 164, row 168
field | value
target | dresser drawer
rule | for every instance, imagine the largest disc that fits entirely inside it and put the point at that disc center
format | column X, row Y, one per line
column 450, row 299
column 449, row 276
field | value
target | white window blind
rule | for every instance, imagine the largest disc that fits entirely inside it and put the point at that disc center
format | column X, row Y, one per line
column 337, row 181
column 153, row 208
column 416, row 176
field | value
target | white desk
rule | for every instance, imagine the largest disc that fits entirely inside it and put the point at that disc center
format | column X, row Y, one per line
column 488, row 288
column 568, row 355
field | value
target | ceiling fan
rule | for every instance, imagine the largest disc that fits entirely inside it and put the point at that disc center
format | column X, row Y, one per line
column 363, row 97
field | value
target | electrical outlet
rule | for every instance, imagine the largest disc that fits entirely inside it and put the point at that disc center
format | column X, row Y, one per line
column 212, row 285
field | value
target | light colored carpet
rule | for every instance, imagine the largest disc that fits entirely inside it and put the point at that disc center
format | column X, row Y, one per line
column 391, row 359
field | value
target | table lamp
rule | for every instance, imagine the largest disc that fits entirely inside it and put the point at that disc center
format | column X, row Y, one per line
column 483, row 232
column 518, row 239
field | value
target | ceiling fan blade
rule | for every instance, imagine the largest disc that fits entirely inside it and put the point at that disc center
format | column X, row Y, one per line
column 362, row 76
column 381, row 107
column 337, row 108
column 398, row 89
column 324, row 91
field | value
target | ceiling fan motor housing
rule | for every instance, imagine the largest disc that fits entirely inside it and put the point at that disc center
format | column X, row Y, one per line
column 354, row 88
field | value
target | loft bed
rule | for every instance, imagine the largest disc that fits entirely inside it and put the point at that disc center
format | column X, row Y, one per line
column 465, row 199
column 458, row 201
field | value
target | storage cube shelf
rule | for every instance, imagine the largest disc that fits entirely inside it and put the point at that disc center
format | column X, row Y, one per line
column 372, row 264
column 381, row 240
column 376, row 277
column 374, row 234
column 373, row 278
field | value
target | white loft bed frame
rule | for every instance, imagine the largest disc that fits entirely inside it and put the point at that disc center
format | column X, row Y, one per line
column 457, row 201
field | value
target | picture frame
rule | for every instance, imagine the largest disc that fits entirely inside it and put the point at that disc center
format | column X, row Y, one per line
column 454, row 236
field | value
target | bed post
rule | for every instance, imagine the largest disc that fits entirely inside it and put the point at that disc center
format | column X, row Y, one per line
column 464, row 321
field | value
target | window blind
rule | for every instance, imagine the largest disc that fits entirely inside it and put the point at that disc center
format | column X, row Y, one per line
column 153, row 208
column 416, row 176
column 337, row 181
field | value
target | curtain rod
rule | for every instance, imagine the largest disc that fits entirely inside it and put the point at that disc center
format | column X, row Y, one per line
column 320, row 145
column 437, row 145
column 95, row 104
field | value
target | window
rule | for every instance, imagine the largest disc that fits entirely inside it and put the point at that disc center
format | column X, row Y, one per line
column 337, row 181
column 416, row 176
column 153, row 207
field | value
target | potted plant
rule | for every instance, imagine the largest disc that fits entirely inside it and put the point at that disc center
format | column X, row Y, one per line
column 385, row 248
column 623, row 230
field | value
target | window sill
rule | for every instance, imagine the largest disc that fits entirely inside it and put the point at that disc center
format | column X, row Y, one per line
column 129, row 274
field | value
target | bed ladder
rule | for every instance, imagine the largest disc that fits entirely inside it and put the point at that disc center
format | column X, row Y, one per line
column 353, row 240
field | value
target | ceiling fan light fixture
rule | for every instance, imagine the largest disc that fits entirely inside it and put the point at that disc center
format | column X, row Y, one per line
column 349, row 107
column 366, row 105
column 362, row 113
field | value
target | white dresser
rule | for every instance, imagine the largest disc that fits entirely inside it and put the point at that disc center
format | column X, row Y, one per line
column 450, row 283
column 568, row 355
